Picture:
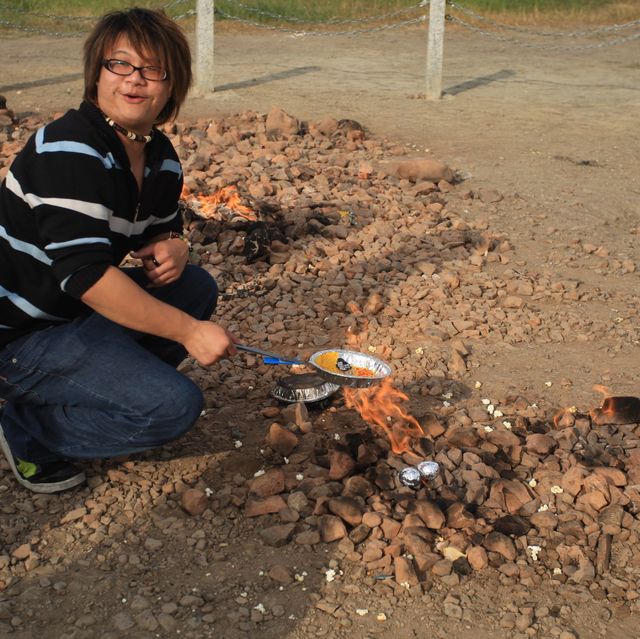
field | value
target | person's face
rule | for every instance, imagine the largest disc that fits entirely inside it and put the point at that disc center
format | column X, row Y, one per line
column 131, row 100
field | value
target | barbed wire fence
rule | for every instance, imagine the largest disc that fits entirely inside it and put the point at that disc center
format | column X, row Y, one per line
column 432, row 13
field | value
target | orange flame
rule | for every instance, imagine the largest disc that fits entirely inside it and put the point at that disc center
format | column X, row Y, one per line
column 379, row 405
column 227, row 196
column 564, row 414
column 599, row 388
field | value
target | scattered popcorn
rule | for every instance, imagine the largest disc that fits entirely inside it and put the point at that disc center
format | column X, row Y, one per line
column 557, row 571
column 507, row 424
column 419, row 350
column 533, row 551
column 244, row 594
column 447, row 395
column 488, row 429
column 446, row 404
column 372, row 349
column 124, row 600
column 292, row 617
column 362, row 611
column 405, row 584
column 259, row 473
column 533, row 483
column 208, row 492
column 556, row 490
column 330, row 575
column 299, row 577
column 299, row 476
column 548, row 384
column 203, row 413
column 260, row 608
column 486, row 402
column 336, row 436
column 237, row 443
column 490, row 409
column 381, row 616
column 543, row 508
column 286, row 460
column 478, row 384
column 498, row 413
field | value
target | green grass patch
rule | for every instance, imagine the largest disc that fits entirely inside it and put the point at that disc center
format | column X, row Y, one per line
column 67, row 15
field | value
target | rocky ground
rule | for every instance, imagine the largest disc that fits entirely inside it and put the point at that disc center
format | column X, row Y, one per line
column 288, row 520
column 500, row 294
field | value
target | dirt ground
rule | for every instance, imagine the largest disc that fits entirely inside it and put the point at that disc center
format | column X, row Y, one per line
column 556, row 132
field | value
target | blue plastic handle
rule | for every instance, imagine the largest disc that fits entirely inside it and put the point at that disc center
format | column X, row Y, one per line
column 276, row 360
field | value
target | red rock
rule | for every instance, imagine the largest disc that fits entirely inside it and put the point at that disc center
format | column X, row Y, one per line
column 425, row 563
column 22, row 552
column 372, row 553
column 429, row 513
column 331, row 528
column 341, row 464
column 544, row 519
column 477, row 558
column 595, row 499
column 541, row 444
column 573, row 480
column 194, row 501
column 390, row 528
column 404, row 571
column 277, row 535
column 358, row 486
column 281, row 574
column 442, row 568
column 271, row 483
column 501, row 544
column 258, row 507
column 421, row 170
column 347, row 508
column 459, row 517
column 280, row 124
column 295, row 413
column 307, row 538
column 283, row 441
column 416, row 545
column 612, row 475
column 372, row 519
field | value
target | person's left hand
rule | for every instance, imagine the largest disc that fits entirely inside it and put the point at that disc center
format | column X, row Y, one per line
column 164, row 260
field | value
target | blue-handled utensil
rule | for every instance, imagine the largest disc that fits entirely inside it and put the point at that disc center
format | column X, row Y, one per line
column 270, row 358
column 345, row 361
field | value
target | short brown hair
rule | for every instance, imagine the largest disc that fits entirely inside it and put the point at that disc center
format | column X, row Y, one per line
column 148, row 30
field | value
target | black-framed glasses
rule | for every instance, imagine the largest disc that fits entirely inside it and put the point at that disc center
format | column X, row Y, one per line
column 120, row 67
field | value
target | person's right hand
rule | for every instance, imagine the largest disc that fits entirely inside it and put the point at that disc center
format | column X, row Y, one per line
column 209, row 343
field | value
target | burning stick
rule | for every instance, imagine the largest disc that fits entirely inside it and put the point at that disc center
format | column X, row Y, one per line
column 617, row 411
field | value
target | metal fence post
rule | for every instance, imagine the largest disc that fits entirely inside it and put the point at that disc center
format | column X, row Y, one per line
column 435, row 43
column 204, row 46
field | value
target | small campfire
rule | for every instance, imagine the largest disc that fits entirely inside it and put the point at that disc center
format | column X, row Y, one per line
column 224, row 203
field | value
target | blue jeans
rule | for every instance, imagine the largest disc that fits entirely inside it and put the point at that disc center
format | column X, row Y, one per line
column 92, row 388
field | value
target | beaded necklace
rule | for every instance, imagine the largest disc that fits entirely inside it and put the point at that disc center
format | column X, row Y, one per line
column 136, row 137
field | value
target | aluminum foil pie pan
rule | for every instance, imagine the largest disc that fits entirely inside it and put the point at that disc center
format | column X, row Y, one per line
column 306, row 388
column 349, row 368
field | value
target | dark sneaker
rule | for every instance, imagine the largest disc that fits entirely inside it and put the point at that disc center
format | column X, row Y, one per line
column 49, row 477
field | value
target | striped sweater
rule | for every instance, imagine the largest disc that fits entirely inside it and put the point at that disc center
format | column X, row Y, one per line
column 69, row 208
